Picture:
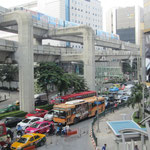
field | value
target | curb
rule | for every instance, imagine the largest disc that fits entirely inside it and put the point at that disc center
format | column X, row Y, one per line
column 92, row 139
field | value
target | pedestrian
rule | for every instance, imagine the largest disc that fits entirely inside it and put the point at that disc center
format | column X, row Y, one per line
column 104, row 147
column 51, row 129
column 19, row 130
column 9, row 132
column 136, row 147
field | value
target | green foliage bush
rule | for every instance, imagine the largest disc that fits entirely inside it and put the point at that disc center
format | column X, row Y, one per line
column 13, row 114
column 45, row 107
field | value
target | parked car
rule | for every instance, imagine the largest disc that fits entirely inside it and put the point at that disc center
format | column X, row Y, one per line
column 28, row 121
column 28, row 140
column 12, row 121
column 40, row 127
column 49, row 115
column 37, row 113
column 9, row 108
column 39, row 102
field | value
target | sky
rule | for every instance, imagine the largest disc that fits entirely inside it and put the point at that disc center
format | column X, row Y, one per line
column 106, row 3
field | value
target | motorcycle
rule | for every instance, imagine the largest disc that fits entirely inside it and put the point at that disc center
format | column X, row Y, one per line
column 6, row 147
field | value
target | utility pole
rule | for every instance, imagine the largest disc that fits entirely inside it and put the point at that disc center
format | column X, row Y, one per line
column 98, row 130
column 143, row 73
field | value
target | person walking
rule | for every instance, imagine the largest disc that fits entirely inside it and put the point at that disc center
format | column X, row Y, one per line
column 104, row 147
column 136, row 147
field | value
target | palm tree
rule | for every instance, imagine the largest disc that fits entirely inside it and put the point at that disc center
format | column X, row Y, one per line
column 136, row 96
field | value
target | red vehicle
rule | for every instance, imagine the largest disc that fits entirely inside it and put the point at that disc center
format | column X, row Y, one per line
column 37, row 113
column 63, row 99
column 3, row 134
column 40, row 127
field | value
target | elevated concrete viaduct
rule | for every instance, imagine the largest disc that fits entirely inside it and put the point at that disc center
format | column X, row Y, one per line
column 21, row 22
column 24, row 56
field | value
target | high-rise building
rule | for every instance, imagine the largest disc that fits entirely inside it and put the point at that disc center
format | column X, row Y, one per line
column 126, row 22
column 86, row 12
column 146, row 16
column 147, row 35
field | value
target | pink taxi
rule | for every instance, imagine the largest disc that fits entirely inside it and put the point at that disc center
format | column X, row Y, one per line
column 40, row 127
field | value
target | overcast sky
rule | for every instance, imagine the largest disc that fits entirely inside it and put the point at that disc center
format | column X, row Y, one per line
column 106, row 3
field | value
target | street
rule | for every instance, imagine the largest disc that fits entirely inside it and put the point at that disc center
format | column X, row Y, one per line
column 81, row 141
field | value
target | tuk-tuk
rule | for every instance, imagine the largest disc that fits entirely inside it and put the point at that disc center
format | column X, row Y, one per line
column 3, row 134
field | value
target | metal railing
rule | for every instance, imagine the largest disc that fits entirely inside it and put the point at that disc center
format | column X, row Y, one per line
column 107, row 111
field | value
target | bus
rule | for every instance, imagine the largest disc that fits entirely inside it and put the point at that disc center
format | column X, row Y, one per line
column 63, row 99
column 73, row 111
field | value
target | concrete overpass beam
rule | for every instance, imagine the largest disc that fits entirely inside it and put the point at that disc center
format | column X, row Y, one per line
column 24, row 56
column 89, row 57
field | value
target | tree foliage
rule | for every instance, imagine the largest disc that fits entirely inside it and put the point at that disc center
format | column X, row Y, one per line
column 126, row 68
column 49, row 74
column 137, row 96
column 8, row 73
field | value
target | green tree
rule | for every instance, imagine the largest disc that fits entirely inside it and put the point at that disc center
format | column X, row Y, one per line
column 126, row 67
column 2, row 76
column 78, row 83
column 10, row 71
column 51, row 74
column 47, row 74
column 136, row 96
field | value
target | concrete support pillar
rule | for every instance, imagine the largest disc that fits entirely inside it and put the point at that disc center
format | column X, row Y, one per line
column 24, row 56
column 138, row 68
column 131, row 61
column 132, row 144
column 148, row 131
column 123, row 141
column 25, row 59
column 142, row 142
column 128, row 146
column 89, row 57
column 117, row 145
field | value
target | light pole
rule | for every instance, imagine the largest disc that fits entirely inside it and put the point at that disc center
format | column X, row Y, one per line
column 98, row 130
column 143, row 72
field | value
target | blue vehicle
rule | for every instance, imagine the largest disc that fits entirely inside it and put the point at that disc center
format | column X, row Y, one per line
column 114, row 89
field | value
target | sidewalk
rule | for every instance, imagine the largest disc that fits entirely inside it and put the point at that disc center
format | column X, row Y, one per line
column 106, row 135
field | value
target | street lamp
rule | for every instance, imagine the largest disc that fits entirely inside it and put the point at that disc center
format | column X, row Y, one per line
column 98, row 129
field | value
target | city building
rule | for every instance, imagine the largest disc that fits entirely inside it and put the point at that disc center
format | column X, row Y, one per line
column 147, row 35
column 82, row 12
column 126, row 22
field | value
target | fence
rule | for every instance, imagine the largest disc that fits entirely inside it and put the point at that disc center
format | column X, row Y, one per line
column 110, row 110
